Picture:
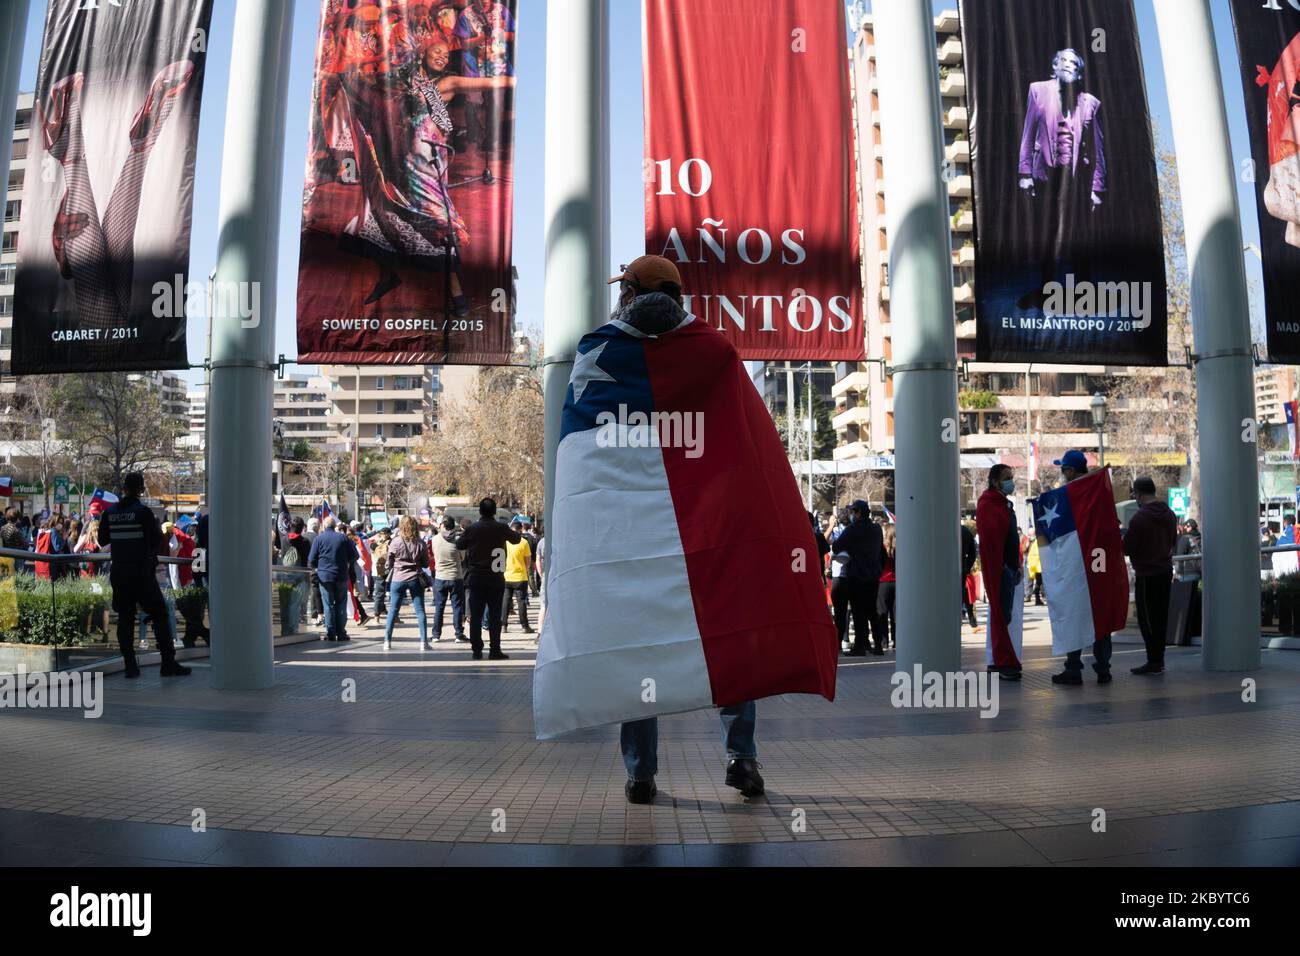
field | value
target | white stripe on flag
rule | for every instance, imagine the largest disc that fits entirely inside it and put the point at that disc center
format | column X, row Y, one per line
column 618, row 603
column 1069, row 605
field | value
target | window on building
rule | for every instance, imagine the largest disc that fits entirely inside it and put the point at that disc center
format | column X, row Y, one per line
column 379, row 430
column 15, row 179
column 379, row 407
column 6, row 337
column 401, row 407
column 401, row 383
column 417, row 430
column 13, row 208
column 9, row 243
column 20, row 149
column 1072, row 383
column 23, row 120
column 6, row 305
column 379, row 383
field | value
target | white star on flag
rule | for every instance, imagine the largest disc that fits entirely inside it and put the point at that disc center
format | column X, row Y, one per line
column 586, row 371
column 1049, row 515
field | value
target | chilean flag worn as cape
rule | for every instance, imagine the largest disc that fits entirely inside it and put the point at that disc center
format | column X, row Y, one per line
column 1082, row 554
column 682, row 569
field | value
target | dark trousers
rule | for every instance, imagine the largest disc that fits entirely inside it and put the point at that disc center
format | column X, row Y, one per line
column 132, row 586
column 1152, row 591
column 484, row 595
column 1038, row 589
column 455, row 590
column 516, row 593
column 317, row 607
column 885, row 611
column 1100, row 657
column 859, row 597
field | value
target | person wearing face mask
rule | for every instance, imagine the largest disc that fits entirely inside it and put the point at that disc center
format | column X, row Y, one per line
column 999, row 547
column 1074, row 464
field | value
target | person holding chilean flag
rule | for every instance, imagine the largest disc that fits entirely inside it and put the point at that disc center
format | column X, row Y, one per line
column 999, row 550
column 664, row 596
column 1084, row 573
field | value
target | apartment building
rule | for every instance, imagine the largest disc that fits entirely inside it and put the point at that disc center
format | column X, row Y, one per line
column 995, row 397
column 1274, row 386
column 390, row 405
column 9, row 236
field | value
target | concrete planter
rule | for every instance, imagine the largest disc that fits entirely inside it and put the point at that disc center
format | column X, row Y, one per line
column 32, row 658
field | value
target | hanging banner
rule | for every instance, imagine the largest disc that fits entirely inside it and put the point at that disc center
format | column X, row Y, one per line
column 750, row 175
column 101, row 281
column 1069, row 252
column 1268, row 43
column 406, row 214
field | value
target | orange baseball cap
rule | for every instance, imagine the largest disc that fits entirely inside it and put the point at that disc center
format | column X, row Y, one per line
column 649, row 272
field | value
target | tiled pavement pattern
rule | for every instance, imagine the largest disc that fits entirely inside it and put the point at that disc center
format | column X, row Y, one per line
column 435, row 743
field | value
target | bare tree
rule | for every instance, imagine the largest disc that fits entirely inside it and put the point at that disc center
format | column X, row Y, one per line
column 118, row 425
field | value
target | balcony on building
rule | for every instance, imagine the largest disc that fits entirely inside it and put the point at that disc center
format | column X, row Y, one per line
column 955, row 118
column 950, row 51
column 954, row 84
column 946, row 22
column 965, row 255
column 958, row 151
column 963, row 294
column 959, row 186
column 963, row 221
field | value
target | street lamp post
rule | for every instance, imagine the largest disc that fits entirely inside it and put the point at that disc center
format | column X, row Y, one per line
column 1098, row 408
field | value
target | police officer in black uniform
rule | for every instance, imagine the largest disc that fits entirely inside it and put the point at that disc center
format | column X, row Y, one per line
column 132, row 531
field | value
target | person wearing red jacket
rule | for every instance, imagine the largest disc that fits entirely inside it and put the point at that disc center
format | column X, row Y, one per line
column 999, row 546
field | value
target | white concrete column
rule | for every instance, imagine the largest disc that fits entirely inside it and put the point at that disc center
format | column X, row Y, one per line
column 926, row 433
column 243, row 348
column 13, row 31
column 1225, row 405
column 576, row 298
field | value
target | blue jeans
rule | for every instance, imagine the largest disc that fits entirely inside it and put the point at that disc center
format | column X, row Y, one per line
column 640, row 740
column 334, row 595
column 415, row 588
column 456, row 591
column 142, row 619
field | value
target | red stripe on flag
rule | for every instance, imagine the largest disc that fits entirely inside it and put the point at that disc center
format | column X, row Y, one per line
column 764, row 626
column 1093, row 502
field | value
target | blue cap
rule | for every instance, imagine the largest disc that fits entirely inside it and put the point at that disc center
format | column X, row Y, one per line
column 1073, row 459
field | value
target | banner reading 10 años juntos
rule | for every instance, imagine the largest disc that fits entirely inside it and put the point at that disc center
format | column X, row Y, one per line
column 749, row 171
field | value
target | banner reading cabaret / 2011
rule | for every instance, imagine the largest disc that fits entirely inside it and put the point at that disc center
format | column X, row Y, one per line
column 1069, row 263
column 406, row 212
column 749, row 171
column 108, row 190
column 1268, row 44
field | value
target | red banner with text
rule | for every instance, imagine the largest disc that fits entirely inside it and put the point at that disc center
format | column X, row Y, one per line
column 749, row 171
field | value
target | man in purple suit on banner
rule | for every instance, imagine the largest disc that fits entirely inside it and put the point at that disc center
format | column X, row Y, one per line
column 1063, row 169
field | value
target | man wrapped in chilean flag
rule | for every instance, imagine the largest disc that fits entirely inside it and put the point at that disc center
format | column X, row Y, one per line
column 1084, row 573
column 682, row 570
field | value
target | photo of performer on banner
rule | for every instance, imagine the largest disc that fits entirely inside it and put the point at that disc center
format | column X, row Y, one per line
column 107, row 220
column 1070, row 255
column 406, row 235
column 1268, row 41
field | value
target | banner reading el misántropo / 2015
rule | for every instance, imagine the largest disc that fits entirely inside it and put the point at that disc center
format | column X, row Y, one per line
column 103, row 246
column 407, row 208
column 749, row 171
column 1268, row 44
column 1069, row 251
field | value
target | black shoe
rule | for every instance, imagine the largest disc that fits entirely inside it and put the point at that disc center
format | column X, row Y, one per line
column 132, row 673
column 529, row 630
column 343, row 638
column 640, row 791
column 743, row 775
column 1149, row 669
column 1104, row 677
column 478, row 655
column 174, row 670
column 1008, row 673
column 1067, row 677
column 498, row 656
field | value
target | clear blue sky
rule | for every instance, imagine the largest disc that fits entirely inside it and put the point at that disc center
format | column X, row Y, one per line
column 626, row 112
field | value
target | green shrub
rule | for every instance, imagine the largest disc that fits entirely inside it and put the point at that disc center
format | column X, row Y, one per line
column 63, row 620
column 191, row 601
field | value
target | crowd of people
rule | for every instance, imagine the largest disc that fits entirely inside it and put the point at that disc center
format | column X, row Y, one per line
column 858, row 549
column 484, row 570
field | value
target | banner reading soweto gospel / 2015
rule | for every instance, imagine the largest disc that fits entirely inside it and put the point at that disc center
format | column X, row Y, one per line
column 117, row 114
column 749, row 171
column 406, row 214
column 1069, row 263
column 1268, row 43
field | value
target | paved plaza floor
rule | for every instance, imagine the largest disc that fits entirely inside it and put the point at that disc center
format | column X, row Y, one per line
column 435, row 762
